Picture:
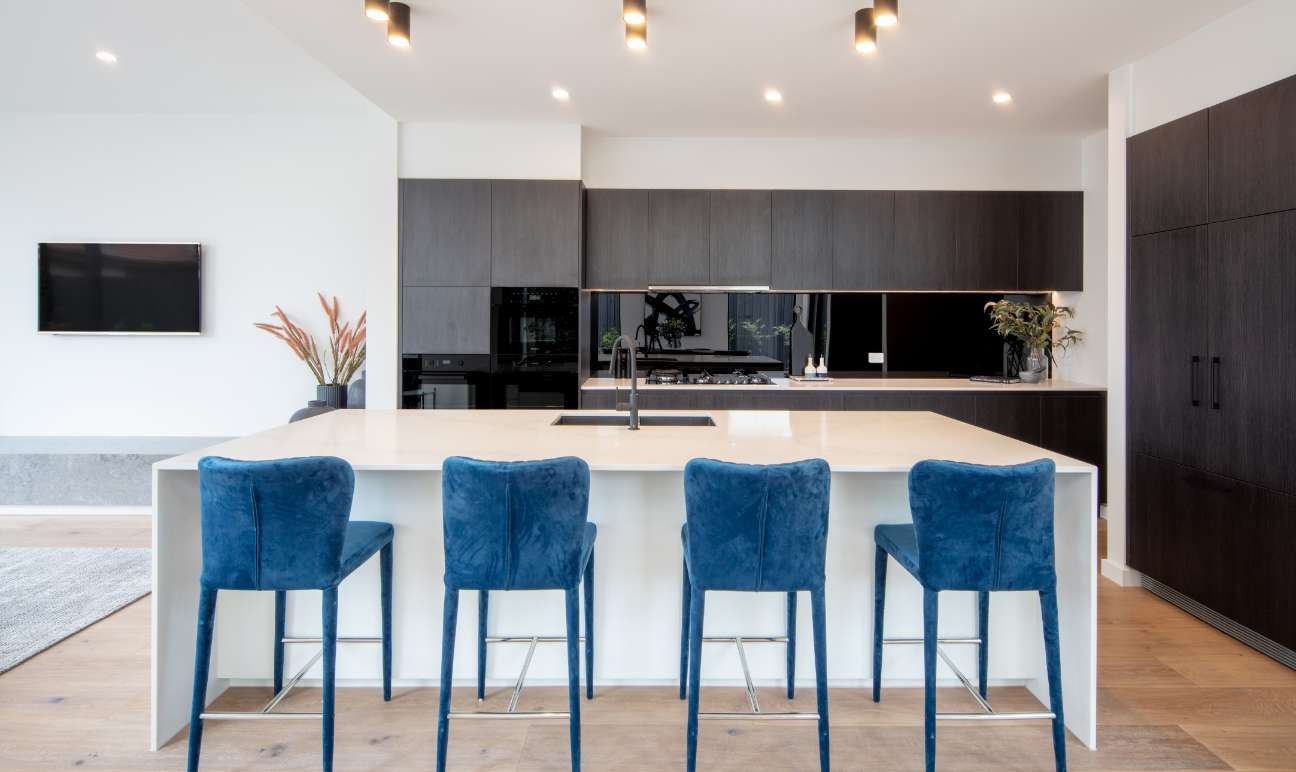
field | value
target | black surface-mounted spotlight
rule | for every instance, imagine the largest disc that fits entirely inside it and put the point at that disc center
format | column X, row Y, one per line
column 398, row 25
column 865, row 31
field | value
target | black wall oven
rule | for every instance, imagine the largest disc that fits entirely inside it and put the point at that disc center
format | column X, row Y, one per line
column 534, row 344
column 445, row 381
column 533, row 361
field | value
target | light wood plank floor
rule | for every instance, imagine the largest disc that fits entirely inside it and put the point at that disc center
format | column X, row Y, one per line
column 1173, row 693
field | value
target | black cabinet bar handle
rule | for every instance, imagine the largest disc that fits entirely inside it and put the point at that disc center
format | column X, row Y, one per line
column 1192, row 380
column 1215, row 383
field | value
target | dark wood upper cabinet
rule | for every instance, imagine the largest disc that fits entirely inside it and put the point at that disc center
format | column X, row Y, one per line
column 1167, row 361
column 1253, row 152
column 679, row 237
column 1052, row 241
column 536, row 233
column 987, row 241
column 1252, row 316
column 445, row 320
column 801, row 240
column 616, row 239
column 925, row 233
column 1168, row 171
column 863, row 239
column 445, row 232
column 740, row 237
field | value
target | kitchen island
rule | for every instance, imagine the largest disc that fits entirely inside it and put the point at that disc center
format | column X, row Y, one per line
column 637, row 500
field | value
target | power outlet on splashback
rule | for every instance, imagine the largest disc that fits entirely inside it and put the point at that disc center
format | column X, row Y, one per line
column 876, row 357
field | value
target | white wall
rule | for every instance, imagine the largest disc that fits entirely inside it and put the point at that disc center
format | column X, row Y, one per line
column 1239, row 52
column 886, row 164
column 490, row 151
column 1251, row 47
column 1086, row 362
column 283, row 205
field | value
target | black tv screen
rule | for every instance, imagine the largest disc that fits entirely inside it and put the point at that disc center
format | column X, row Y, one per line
column 120, row 288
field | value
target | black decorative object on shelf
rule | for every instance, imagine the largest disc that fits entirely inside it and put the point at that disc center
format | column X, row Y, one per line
column 332, row 394
column 313, row 408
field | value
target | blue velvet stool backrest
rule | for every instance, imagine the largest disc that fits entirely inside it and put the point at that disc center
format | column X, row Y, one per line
column 753, row 527
column 274, row 525
column 983, row 527
column 514, row 525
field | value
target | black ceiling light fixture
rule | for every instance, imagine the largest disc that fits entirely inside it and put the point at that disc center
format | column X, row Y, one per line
column 865, row 31
column 636, row 36
column 886, row 13
column 377, row 10
column 635, row 12
column 398, row 25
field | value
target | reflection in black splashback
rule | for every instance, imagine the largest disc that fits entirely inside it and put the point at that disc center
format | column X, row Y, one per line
column 854, row 332
column 941, row 334
column 921, row 334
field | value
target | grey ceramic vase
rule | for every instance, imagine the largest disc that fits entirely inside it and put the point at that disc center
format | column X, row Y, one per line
column 313, row 408
column 356, row 392
column 332, row 394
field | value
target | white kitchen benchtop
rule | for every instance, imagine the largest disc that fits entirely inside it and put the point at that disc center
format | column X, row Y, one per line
column 419, row 440
column 863, row 384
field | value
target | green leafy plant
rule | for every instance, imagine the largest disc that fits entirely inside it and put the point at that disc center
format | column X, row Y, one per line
column 673, row 331
column 1034, row 324
column 609, row 337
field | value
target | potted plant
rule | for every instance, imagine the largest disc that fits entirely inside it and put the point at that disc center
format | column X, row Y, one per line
column 333, row 369
column 608, row 338
column 1034, row 326
column 673, row 330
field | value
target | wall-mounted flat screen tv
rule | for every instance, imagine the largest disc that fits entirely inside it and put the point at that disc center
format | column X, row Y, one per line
column 120, row 288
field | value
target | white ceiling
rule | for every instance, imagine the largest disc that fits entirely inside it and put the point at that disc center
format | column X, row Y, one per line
column 709, row 61
column 174, row 56
column 705, row 70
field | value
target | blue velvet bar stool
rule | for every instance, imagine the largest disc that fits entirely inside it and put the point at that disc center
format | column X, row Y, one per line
column 520, row 525
column 754, row 528
column 278, row 526
column 982, row 529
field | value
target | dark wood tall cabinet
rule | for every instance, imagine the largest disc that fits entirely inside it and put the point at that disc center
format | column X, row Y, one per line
column 1211, row 357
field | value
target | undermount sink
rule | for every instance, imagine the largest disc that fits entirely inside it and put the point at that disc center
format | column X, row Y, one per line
column 624, row 420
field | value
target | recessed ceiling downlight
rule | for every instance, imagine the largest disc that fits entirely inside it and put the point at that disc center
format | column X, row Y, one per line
column 398, row 25
column 773, row 96
column 865, row 31
column 1002, row 98
column 107, row 57
column 560, row 93
column 377, row 10
column 635, row 12
column 886, row 13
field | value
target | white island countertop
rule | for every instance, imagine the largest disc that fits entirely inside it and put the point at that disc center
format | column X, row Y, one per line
column 637, row 501
column 862, row 384
column 851, row 441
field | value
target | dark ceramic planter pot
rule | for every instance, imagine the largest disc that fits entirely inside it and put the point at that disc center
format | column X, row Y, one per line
column 332, row 394
column 313, row 408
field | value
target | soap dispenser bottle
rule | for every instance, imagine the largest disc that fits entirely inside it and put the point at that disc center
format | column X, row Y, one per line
column 822, row 370
column 809, row 367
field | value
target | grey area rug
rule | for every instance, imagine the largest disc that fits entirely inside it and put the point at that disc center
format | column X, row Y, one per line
column 47, row 594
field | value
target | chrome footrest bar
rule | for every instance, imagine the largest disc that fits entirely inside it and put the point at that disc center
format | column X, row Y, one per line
column 723, row 716
column 244, row 715
column 919, row 641
column 512, row 712
column 1025, row 716
column 339, row 640
column 963, row 679
column 745, row 639
column 751, row 688
column 498, row 714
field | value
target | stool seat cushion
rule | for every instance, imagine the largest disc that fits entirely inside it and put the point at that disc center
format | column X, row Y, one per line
column 363, row 539
column 900, row 541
